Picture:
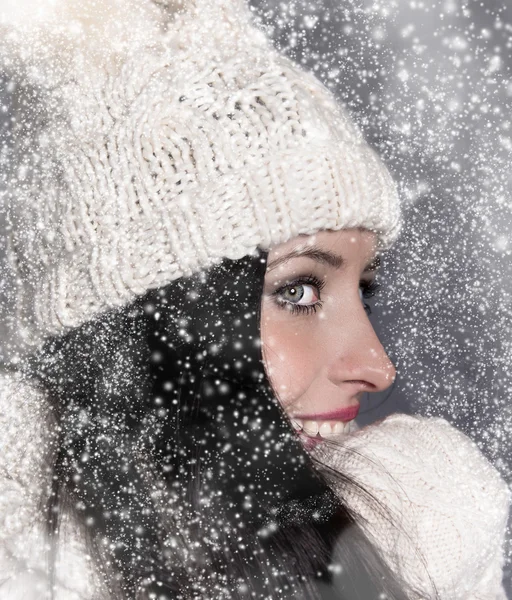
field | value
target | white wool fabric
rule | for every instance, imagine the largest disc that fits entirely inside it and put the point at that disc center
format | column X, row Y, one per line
column 25, row 453
column 444, row 505
column 153, row 139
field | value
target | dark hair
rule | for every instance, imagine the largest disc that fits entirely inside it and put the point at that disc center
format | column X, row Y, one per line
column 171, row 447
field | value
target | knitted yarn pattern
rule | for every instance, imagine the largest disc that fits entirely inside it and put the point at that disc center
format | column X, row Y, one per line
column 445, row 506
column 25, row 449
column 187, row 139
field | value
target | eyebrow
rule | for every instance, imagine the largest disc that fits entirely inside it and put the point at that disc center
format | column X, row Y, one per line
column 323, row 257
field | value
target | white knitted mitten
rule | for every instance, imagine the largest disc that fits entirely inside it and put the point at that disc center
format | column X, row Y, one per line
column 447, row 504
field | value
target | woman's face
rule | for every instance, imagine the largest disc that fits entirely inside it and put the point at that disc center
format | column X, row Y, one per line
column 320, row 350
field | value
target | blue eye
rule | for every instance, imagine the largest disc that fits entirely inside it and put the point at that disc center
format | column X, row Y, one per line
column 368, row 289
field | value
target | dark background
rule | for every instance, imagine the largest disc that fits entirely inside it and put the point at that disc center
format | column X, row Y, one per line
column 430, row 84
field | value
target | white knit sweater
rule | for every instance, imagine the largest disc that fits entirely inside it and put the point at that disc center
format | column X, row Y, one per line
column 444, row 499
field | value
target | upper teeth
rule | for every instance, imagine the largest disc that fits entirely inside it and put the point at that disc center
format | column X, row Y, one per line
column 323, row 428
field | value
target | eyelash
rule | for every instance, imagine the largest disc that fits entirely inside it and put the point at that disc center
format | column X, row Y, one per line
column 300, row 308
column 369, row 290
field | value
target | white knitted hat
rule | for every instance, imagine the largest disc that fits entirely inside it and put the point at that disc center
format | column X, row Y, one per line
column 152, row 142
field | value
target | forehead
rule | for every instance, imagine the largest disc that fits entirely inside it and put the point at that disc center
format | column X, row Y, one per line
column 356, row 243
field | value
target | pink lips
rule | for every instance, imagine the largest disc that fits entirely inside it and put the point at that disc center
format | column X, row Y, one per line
column 341, row 414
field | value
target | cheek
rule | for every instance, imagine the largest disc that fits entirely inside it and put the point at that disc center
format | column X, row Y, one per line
column 289, row 355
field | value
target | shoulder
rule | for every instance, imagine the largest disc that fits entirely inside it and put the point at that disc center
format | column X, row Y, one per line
column 23, row 450
column 22, row 417
column 445, row 505
column 25, row 455
column 25, row 440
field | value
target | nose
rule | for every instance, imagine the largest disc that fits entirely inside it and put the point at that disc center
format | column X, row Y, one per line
column 359, row 360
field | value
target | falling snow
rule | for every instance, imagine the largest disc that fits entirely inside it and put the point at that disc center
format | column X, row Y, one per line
column 430, row 84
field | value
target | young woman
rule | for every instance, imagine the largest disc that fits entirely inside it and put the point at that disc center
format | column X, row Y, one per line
column 195, row 226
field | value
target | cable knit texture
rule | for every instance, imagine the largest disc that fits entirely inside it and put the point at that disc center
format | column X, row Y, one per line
column 445, row 505
column 448, row 505
column 151, row 143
